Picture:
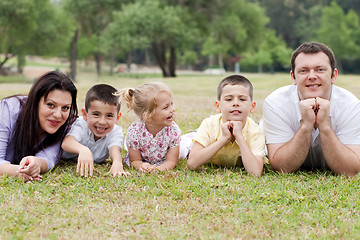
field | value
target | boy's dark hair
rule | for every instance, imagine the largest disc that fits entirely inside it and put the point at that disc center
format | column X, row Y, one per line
column 310, row 48
column 103, row 93
column 235, row 80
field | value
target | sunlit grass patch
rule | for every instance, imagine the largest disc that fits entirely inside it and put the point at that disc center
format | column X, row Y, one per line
column 208, row 203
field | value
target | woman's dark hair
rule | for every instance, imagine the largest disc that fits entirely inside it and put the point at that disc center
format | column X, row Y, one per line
column 26, row 135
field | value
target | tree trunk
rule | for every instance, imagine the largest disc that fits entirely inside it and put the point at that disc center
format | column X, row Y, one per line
column 7, row 57
column 129, row 61
column 98, row 57
column 172, row 62
column 160, row 57
column 211, row 61
column 21, row 62
column 112, row 63
column 220, row 61
column 73, row 54
column 147, row 57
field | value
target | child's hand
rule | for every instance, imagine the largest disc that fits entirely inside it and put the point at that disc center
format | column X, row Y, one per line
column 117, row 170
column 237, row 127
column 227, row 129
column 85, row 164
column 147, row 168
column 29, row 169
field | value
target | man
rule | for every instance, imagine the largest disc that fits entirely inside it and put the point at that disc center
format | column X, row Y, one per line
column 313, row 124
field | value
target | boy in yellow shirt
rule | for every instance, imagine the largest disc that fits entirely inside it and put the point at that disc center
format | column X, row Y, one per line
column 230, row 138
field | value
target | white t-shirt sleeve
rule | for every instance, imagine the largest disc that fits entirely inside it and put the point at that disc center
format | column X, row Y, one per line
column 115, row 137
column 78, row 129
column 276, row 126
column 348, row 129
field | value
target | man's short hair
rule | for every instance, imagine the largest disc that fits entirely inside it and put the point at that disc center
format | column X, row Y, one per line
column 235, row 80
column 103, row 93
column 310, row 48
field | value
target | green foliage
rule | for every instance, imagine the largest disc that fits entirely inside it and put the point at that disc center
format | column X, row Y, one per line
column 188, row 57
column 32, row 27
column 92, row 17
column 180, row 31
column 271, row 50
column 235, row 27
column 307, row 25
column 152, row 24
column 336, row 31
column 87, row 47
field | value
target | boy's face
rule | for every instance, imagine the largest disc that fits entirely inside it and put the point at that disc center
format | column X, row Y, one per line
column 101, row 118
column 235, row 103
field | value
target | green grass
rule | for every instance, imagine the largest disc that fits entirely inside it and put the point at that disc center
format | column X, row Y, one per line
column 211, row 202
column 13, row 79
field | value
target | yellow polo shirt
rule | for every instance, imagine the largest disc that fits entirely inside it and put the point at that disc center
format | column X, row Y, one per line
column 230, row 155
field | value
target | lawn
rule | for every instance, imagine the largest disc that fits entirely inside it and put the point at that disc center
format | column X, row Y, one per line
column 209, row 203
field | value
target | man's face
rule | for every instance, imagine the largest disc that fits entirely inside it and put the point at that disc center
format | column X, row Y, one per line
column 235, row 103
column 312, row 75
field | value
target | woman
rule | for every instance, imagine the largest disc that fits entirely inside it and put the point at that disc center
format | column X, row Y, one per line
column 32, row 127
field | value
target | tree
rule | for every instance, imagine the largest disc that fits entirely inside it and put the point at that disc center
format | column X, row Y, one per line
column 271, row 50
column 164, row 28
column 31, row 27
column 17, row 23
column 237, row 26
column 340, row 32
column 92, row 17
column 307, row 25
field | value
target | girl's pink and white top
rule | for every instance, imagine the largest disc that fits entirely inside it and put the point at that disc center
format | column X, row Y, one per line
column 153, row 149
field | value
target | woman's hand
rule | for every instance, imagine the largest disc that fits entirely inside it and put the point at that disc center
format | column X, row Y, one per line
column 30, row 169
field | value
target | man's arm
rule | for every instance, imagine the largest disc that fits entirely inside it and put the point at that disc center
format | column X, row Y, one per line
column 342, row 159
column 289, row 156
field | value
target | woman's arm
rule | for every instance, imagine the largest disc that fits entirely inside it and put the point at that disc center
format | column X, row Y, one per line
column 29, row 168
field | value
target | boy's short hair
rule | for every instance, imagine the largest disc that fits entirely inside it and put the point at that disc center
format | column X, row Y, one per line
column 103, row 93
column 235, row 80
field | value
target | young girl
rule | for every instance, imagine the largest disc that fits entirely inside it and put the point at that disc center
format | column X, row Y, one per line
column 153, row 140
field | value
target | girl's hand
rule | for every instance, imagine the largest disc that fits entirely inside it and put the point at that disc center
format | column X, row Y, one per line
column 146, row 168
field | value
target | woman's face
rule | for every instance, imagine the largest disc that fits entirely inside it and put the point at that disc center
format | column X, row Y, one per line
column 54, row 110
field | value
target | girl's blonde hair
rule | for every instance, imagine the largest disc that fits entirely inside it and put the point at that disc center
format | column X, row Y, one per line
column 142, row 99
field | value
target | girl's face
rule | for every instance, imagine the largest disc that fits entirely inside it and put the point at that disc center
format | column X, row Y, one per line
column 54, row 111
column 164, row 111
